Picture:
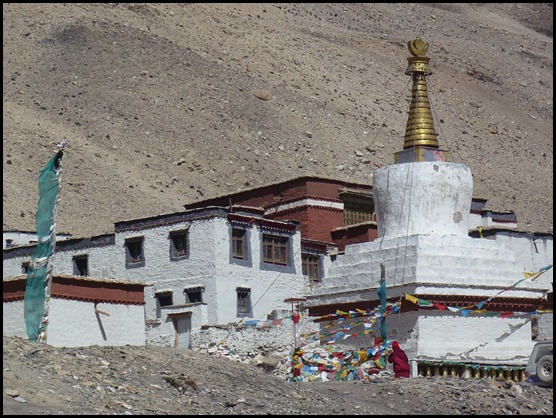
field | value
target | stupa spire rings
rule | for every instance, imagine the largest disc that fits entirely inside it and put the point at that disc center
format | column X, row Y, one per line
column 420, row 127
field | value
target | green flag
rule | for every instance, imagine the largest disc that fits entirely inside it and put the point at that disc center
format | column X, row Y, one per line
column 38, row 275
column 382, row 296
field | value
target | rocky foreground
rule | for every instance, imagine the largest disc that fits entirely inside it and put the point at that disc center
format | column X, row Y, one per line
column 40, row 379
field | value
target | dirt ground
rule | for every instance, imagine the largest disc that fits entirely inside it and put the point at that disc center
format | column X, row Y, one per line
column 42, row 380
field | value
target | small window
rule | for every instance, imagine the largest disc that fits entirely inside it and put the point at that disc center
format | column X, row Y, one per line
column 238, row 243
column 163, row 298
column 9, row 243
column 194, row 295
column 134, row 252
column 179, row 244
column 25, row 267
column 311, row 266
column 534, row 327
column 243, row 301
column 80, row 265
column 275, row 249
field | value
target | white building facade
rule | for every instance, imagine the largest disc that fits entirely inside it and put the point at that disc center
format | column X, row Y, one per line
column 82, row 311
column 207, row 267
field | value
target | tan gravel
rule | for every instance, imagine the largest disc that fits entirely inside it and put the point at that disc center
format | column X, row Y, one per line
column 42, row 380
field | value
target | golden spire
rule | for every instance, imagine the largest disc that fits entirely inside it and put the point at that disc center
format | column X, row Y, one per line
column 420, row 141
column 419, row 130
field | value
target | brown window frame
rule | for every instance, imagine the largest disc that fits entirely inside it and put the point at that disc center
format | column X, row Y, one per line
column 358, row 209
column 275, row 249
column 131, row 244
column 311, row 266
column 177, row 239
column 244, row 307
column 238, row 243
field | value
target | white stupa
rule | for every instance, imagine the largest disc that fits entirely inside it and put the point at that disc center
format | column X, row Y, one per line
column 422, row 205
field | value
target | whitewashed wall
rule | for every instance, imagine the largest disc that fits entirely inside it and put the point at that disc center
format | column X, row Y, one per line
column 546, row 326
column 454, row 337
column 531, row 254
column 12, row 266
column 25, row 237
column 100, row 261
column 269, row 284
column 209, row 264
column 74, row 323
column 485, row 219
column 446, row 336
column 19, row 237
column 12, row 319
column 423, row 198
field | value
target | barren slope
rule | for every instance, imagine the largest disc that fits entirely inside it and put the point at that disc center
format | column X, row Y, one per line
column 157, row 100
column 43, row 380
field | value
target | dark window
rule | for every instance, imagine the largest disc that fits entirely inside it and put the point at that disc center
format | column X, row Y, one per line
column 311, row 266
column 357, row 208
column 534, row 327
column 80, row 265
column 179, row 244
column 275, row 249
column 134, row 252
column 25, row 267
column 9, row 242
column 243, row 302
column 194, row 295
column 165, row 299
column 238, row 243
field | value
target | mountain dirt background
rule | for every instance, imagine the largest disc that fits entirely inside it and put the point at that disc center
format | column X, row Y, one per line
column 165, row 104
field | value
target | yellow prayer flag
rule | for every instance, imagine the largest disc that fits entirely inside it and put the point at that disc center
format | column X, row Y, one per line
column 412, row 299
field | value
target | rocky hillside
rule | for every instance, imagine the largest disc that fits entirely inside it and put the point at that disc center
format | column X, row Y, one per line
column 164, row 103
column 44, row 380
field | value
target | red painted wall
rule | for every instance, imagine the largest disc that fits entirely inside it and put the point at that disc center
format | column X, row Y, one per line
column 81, row 289
column 355, row 234
column 316, row 222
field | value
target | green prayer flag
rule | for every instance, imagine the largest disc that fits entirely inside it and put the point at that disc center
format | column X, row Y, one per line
column 424, row 303
column 382, row 296
column 40, row 268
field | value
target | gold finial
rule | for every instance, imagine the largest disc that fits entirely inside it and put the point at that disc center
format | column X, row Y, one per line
column 419, row 131
column 418, row 47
